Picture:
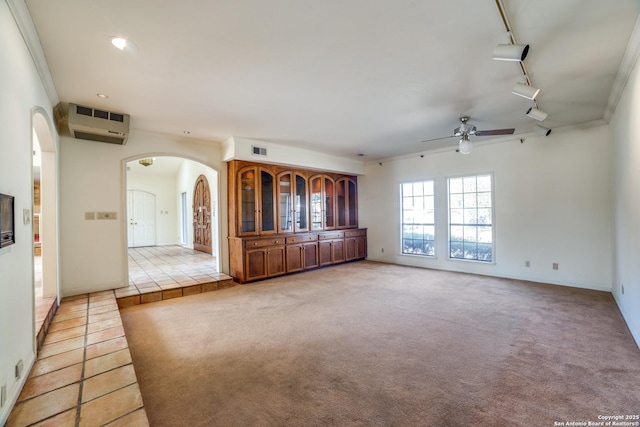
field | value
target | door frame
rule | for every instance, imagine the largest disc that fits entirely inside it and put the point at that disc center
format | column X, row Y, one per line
column 219, row 199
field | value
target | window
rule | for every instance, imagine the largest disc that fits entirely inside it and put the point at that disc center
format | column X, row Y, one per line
column 471, row 218
column 418, row 218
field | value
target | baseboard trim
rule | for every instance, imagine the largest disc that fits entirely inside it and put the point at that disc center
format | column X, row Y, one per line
column 634, row 334
column 12, row 397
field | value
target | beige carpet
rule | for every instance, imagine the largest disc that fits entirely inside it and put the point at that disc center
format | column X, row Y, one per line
column 375, row 344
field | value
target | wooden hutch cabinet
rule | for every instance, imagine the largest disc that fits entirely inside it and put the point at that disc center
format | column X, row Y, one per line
column 283, row 220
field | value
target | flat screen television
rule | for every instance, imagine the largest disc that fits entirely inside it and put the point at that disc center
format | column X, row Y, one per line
column 7, row 228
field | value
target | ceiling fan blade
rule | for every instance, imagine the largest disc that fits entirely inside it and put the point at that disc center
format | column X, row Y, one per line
column 495, row 132
column 438, row 139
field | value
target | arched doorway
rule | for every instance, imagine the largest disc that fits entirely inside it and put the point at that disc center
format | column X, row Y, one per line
column 45, row 221
column 172, row 180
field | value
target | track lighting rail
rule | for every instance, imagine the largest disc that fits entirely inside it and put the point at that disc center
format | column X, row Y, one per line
column 514, row 41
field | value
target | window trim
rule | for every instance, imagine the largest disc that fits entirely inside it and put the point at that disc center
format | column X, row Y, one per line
column 435, row 218
column 493, row 218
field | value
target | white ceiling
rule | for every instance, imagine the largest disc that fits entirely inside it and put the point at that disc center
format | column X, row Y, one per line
column 361, row 76
column 162, row 166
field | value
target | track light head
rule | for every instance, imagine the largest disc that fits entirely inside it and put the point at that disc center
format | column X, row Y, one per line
column 534, row 113
column 525, row 91
column 541, row 130
column 510, row 52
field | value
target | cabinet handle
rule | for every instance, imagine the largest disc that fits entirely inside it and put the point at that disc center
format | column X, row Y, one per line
column 255, row 243
column 277, row 241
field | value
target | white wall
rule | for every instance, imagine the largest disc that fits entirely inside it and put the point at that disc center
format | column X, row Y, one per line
column 552, row 204
column 94, row 253
column 237, row 148
column 164, row 188
column 22, row 91
column 625, row 130
column 186, row 179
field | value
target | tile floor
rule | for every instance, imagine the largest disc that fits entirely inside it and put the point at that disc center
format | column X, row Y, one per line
column 84, row 375
column 163, row 272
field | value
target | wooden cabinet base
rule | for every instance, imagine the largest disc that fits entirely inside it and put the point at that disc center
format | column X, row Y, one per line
column 257, row 258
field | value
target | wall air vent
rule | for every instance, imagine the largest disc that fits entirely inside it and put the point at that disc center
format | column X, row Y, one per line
column 98, row 125
column 258, row 151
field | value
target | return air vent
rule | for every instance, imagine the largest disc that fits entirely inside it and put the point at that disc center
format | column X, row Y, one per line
column 98, row 125
column 258, row 151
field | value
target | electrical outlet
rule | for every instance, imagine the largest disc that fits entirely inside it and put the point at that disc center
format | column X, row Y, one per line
column 382, row 250
column 3, row 395
column 89, row 216
column 555, row 265
column 527, row 263
column 19, row 368
column 26, row 216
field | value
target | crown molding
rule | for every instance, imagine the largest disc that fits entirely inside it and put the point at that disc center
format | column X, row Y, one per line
column 624, row 71
column 23, row 20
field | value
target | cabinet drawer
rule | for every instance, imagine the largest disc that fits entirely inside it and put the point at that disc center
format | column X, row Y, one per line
column 301, row 239
column 329, row 236
column 355, row 233
column 261, row 243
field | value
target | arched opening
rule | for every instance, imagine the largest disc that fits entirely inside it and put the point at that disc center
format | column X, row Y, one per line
column 45, row 222
column 160, row 214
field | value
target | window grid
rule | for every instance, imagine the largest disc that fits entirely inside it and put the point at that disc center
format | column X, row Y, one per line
column 471, row 218
column 418, row 218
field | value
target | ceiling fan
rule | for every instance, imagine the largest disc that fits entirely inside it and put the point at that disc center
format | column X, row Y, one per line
column 465, row 129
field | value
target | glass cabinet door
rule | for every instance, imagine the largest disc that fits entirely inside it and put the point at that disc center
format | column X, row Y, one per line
column 352, row 201
column 341, row 198
column 316, row 193
column 247, row 191
column 285, row 203
column 321, row 189
column 329, row 207
column 301, row 213
column 267, row 203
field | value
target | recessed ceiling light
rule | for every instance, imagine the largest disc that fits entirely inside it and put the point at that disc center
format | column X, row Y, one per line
column 119, row 42
column 102, row 95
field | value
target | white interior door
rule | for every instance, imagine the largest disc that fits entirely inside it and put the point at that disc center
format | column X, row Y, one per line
column 141, row 212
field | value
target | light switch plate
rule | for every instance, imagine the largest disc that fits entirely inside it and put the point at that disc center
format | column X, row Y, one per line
column 89, row 216
column 26, row 216
column 107, row 215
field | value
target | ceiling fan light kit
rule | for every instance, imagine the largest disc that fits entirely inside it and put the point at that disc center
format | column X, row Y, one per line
column 510, row 52
column 537, row 114
column 464, row 146
column 466, row 129
column 525, row 91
